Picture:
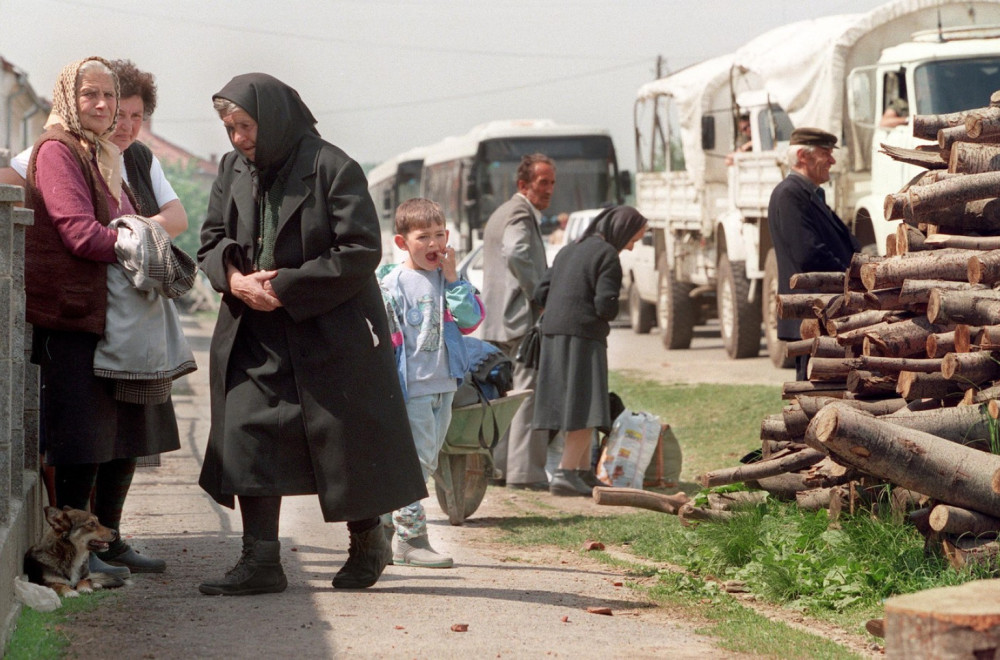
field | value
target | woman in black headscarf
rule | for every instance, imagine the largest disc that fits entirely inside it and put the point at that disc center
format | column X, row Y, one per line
column 305, row 397
column 580, row 297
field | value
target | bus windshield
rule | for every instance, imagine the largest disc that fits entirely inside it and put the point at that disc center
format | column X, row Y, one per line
column 586, row 172
column 408, row 180
column 952, row 85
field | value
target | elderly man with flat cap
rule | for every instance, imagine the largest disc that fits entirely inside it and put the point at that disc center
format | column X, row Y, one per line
column 807, row 235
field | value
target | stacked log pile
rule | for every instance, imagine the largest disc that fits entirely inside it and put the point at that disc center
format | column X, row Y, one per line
column 904, row 377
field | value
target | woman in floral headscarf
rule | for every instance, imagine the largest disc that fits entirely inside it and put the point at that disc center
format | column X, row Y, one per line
column 75, row 189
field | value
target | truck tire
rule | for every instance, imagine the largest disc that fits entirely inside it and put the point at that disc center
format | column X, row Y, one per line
column 775, row 346
column 739, row 319
column 641, row 315
column 675, row 309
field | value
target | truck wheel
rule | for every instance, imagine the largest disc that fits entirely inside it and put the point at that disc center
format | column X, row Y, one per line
column 641, row 314
column 775, row 346
column 739, row 319
column 675, row 309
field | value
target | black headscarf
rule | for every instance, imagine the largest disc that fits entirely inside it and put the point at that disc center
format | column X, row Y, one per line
column 282, row 118
column 617, row 224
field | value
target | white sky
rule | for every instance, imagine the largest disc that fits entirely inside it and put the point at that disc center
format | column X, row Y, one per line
column 383, row 76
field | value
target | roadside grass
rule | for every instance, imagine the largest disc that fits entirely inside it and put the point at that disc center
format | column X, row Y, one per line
column 38, row 635
column 838, row 572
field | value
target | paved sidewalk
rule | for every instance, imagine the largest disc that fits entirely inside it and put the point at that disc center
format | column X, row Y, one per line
column 514, row 601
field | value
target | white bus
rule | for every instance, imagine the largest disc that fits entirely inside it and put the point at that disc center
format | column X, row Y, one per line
column 390, row 184
column 471, row 175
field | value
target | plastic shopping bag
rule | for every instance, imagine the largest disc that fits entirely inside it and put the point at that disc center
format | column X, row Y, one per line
column 629, row 449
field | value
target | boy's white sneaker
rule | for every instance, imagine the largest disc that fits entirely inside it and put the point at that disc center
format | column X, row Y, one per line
column 417, row 551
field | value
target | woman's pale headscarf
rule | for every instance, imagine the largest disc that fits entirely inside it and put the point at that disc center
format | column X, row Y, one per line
column 66, row 113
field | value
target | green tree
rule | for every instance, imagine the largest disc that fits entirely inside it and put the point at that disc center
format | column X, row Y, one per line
column 193, row 189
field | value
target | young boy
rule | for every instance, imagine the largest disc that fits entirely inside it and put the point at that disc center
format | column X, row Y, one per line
column 429, row 309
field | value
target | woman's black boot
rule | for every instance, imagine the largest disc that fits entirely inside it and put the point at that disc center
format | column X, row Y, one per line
column 367, row 557
column 257, row 572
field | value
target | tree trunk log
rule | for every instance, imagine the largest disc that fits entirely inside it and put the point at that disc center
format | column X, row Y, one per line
column 826, row 347
column 892, row 365
column 866, row 383
column 970, row 155
column 782, row 486
column 966, row 425
column 981, row 307
column 858, row 260
column 959, row 242
column 810, row 329
column 940, row 344
column 795, row 419
column 799, row 347
column 953, row 191
column 792, row 389
column 818, row 282
column 974, row 395
column 957, row 521
column 828, row 369
column 733, row 501
column 846, row 304
column 813, row 404
column 819, row 498
column 933, row 264
column 987, row 336
column 984, row 268
column 689, row 512
column 971, row 368
column 912, row 385
column 927, row 126
column 982, row 122
column 855, row 337
column 918, row 291
column 981, row 216
column 865, row 319
column 761, row 469
column 642, row 499
column 801, row 305
column 773, row 427
column 945, row 471
column 769, row 448
column 910, row 239
column 904, row 339
column 947, row 622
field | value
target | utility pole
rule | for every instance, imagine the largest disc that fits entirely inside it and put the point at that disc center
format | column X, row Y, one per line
column 661, row 64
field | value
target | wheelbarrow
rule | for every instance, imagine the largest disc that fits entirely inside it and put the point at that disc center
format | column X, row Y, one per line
column 464, row 464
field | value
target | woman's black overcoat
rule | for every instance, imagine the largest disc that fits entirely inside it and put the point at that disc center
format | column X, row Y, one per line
column 326, row 251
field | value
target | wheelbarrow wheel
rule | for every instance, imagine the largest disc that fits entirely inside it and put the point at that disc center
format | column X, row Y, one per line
column 460, row 484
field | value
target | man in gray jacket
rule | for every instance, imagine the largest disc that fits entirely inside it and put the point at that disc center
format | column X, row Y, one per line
column 513, row 265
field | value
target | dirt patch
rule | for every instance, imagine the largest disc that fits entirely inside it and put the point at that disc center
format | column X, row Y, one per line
column 494, row 509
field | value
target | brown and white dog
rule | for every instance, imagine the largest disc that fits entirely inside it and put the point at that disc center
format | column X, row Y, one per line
column 60, row 561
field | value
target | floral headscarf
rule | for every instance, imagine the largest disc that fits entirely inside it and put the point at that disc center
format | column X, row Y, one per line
column 66, row 114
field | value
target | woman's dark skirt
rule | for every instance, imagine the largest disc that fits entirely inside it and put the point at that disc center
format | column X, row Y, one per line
column 81, row 421
column 572, row 391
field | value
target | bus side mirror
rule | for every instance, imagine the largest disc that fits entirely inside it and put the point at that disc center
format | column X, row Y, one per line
column 625, row 182
column 707, row 132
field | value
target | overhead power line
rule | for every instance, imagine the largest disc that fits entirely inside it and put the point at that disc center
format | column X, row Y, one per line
column 327, row 39
column 439, row 99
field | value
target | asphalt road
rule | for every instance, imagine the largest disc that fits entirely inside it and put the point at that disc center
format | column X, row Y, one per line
column 705, row 362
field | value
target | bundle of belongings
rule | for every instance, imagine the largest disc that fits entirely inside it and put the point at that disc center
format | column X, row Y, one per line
column 143, row 348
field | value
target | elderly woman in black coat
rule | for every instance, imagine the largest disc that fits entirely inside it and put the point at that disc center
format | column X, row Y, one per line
column 580, row 297
column 305, row 397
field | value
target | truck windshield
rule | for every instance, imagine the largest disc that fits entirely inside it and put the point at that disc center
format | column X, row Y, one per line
column 586, row 172
column 954, row 85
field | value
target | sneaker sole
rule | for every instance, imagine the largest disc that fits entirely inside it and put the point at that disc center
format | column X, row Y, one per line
column 399, row 561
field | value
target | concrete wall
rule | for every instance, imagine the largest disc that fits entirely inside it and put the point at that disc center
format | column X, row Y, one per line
column 21, row 497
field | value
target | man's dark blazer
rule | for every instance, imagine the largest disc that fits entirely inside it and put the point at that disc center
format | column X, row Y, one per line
column 807, row 237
